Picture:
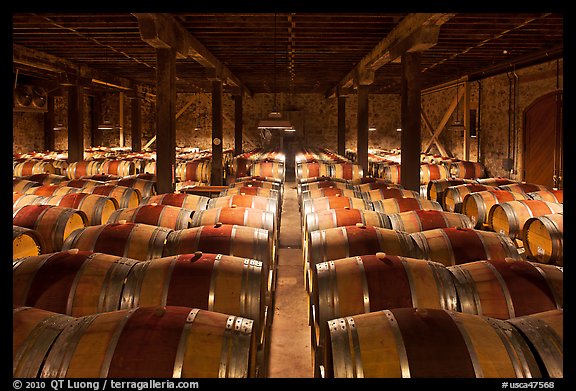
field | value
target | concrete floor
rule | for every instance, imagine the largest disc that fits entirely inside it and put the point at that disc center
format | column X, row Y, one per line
column 290, row 348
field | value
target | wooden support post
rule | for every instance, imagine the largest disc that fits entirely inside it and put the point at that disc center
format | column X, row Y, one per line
column 165, row 119
column 121, row 117
column 49, row 125
column 466, row 105
column 410, row 115
column 75, row 123
column 341, row 125
column 238, row 119
column 95, row 133
column 362, row 137
column 136, row 124
column 217, row 131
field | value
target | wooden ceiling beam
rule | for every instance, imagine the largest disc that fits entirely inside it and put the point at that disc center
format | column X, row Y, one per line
column 416, row 32
column 163, row 30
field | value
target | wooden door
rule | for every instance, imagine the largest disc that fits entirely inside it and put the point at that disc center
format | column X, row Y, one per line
column 543, row 145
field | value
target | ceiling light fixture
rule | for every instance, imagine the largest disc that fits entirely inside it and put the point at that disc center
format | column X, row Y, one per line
column 274, row 120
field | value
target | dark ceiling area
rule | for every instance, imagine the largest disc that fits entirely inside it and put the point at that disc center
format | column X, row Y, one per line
column 288, row 52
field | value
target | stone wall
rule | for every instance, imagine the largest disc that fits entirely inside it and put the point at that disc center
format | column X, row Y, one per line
column 316, row 119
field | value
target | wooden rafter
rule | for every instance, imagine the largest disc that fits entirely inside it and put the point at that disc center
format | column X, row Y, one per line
column 163, row 30
column 416, row 32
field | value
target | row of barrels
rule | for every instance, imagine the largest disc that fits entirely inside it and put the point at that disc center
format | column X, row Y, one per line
column 505, row 209
column 259, row 163
column 153, row 256
column 353, row 260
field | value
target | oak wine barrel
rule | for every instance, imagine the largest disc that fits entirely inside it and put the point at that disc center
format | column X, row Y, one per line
column 33, row 332
column 249, row 190
column 506, row 288
column 548, row 195
column 52, row 190
column 83, row 183
column 328, row 192
column 334, row 202
column 180, row 342
column 508, row 218
column 543, row 238
column 213, row 282
column 544, row 331
column 332, row 218
column 477, row 205
column 312, row 170
column 248, row 217
column 342, row 242
column 268, row 169
column 82, row 168
column 21, row 185
column 495, row 181
column 54, row 223
column 131, row 240
column 46, row 179
column 454, row 246
column 120, row 167
column 423, row 220
column 399, row 205
column 194, row 170
column 432, row 172
column 145, row 187
column 426, row 343
column 346, row 170
column 97, row 208
column 21, row 199
column 523, row 187
column 467, row 169
column 126, row 197
column 31, row 167
column 75, row 283
column 369, row 283
column 26, row 242
column 247, row 201
column 167, row 216
column 453, row 196
column 181, row 200
column 382, row 194
column 435, row 188
column 235, row 240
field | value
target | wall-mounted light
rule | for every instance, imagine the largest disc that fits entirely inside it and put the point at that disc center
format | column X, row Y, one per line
column 107, row 125
column 60, row 126
column 372, row 128
column 398, row 129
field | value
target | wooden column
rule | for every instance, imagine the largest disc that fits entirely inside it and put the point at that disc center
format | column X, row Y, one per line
column 75, row 123
column 165, row 119
column 136, row 124
column 49, row 125
column 410, row 115
column 341, row 125
column 466, row 109
column 121, row 117
column 362, row 138
column 96, row 114
column 216, row 176
column 238, row 119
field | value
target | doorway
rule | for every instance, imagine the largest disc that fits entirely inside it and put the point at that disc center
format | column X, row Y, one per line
column 543, row 144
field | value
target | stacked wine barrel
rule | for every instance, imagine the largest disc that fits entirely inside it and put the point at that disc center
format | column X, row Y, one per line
column 103, row 261
column 404, row 283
